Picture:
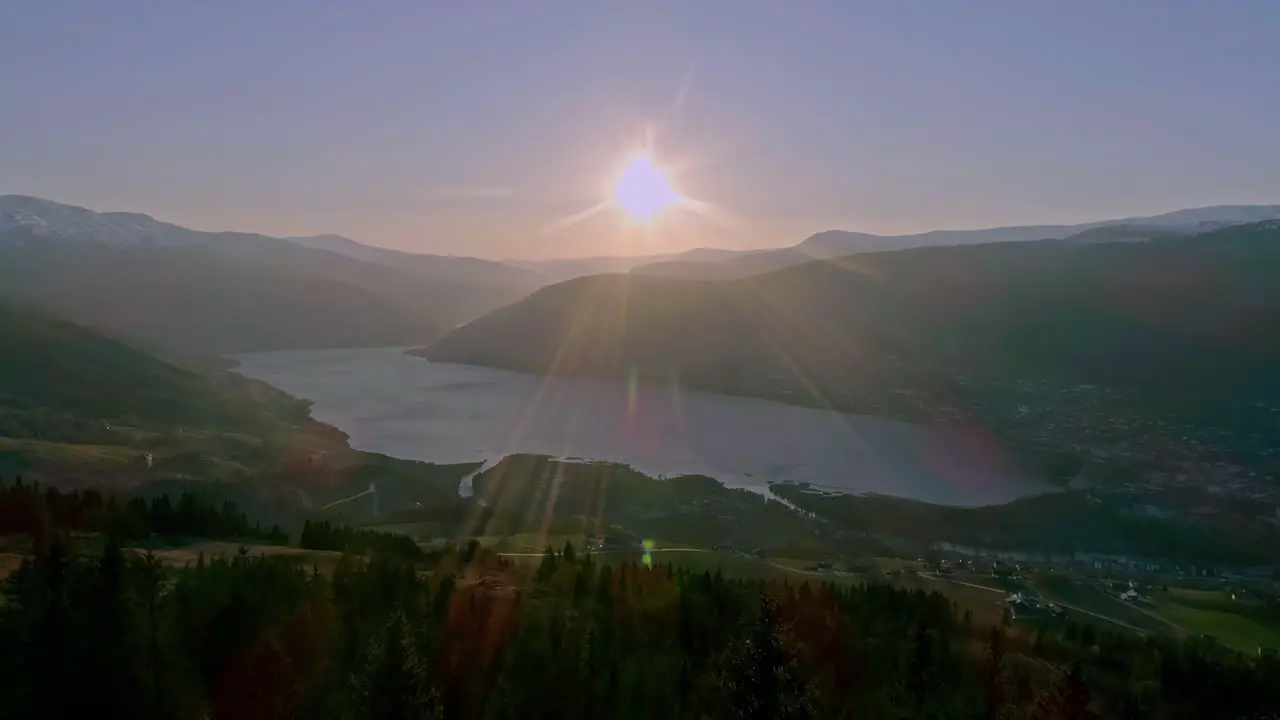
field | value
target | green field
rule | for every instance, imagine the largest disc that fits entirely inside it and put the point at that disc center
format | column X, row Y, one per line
column 1240, row 624
column 1004, row 585
column 1094, row 603
column 1231, row 629
column 33, row 453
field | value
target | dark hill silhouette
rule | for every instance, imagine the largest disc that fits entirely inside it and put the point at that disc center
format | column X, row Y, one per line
column 51, row 367
column 1182, row 314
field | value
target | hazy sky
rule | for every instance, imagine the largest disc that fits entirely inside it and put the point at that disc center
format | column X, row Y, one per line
column 472, row 127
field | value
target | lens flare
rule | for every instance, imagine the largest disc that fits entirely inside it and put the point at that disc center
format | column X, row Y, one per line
column 643, row 189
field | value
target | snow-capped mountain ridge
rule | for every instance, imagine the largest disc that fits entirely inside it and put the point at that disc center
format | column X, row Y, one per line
column 48, row 220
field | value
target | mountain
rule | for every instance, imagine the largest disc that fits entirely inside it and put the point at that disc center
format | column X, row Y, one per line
column 217, row 292
column 1184, row 322
column 55, row 367
column 76, row 405
column 30, row 221
column 837, row 243
column 514, row 281
column 1123, row 233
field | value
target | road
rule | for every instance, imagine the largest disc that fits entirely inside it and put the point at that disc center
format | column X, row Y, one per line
column 1081, row 610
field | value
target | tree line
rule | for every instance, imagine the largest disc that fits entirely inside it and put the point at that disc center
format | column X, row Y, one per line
column 325, row 535
column 463, row 633
column 29, row 509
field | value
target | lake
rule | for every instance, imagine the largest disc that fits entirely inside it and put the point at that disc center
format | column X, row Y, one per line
column 407, row 407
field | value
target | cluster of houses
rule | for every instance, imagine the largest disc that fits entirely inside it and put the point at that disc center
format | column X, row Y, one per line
column 1027, row 606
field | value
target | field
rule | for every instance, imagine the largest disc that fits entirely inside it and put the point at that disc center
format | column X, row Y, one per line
column 19, row 456
column 1230, row 629
column 752, row 568
column 1239, row 624
column 189, row 554
column 1094, row 603
column 529, row 548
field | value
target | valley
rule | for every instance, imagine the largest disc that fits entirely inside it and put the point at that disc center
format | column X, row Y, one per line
column 634, row 360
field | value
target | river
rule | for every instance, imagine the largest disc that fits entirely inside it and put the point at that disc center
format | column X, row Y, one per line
column 407, row 407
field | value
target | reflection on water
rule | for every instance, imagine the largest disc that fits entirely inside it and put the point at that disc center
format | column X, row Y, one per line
column 407, row 407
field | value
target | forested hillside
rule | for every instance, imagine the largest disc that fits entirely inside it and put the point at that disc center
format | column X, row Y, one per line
column 1202, row 311
column 51, row 367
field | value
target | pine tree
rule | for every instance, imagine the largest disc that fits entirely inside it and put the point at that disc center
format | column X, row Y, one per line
column 993, row 680
column 152, row 576
column 759, row 679
column 1067, row 699
column 109, row 662
column 547, row 568
column 393, row 685
column 50, row 644
column 920, row 669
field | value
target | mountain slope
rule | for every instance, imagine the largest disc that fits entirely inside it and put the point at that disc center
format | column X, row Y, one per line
column 216, row 292
column 196, row 300
column 77, row 407
column 1166, row 315
column 51, row 365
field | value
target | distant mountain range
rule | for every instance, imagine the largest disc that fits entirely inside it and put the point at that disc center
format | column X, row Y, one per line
column 439, row 268
column 218, row 292
column 198, row 292
column 837, row 243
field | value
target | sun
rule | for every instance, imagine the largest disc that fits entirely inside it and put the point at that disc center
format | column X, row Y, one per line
column 643, row 190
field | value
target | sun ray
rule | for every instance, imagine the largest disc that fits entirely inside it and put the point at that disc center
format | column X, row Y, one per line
column 566, row 222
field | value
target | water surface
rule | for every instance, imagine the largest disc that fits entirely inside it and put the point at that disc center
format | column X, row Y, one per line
column 403, row 406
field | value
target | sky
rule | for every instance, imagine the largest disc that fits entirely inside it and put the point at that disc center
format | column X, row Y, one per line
column 483, row 128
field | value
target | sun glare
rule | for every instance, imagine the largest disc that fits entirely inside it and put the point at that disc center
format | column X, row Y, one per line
column 643, row 189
